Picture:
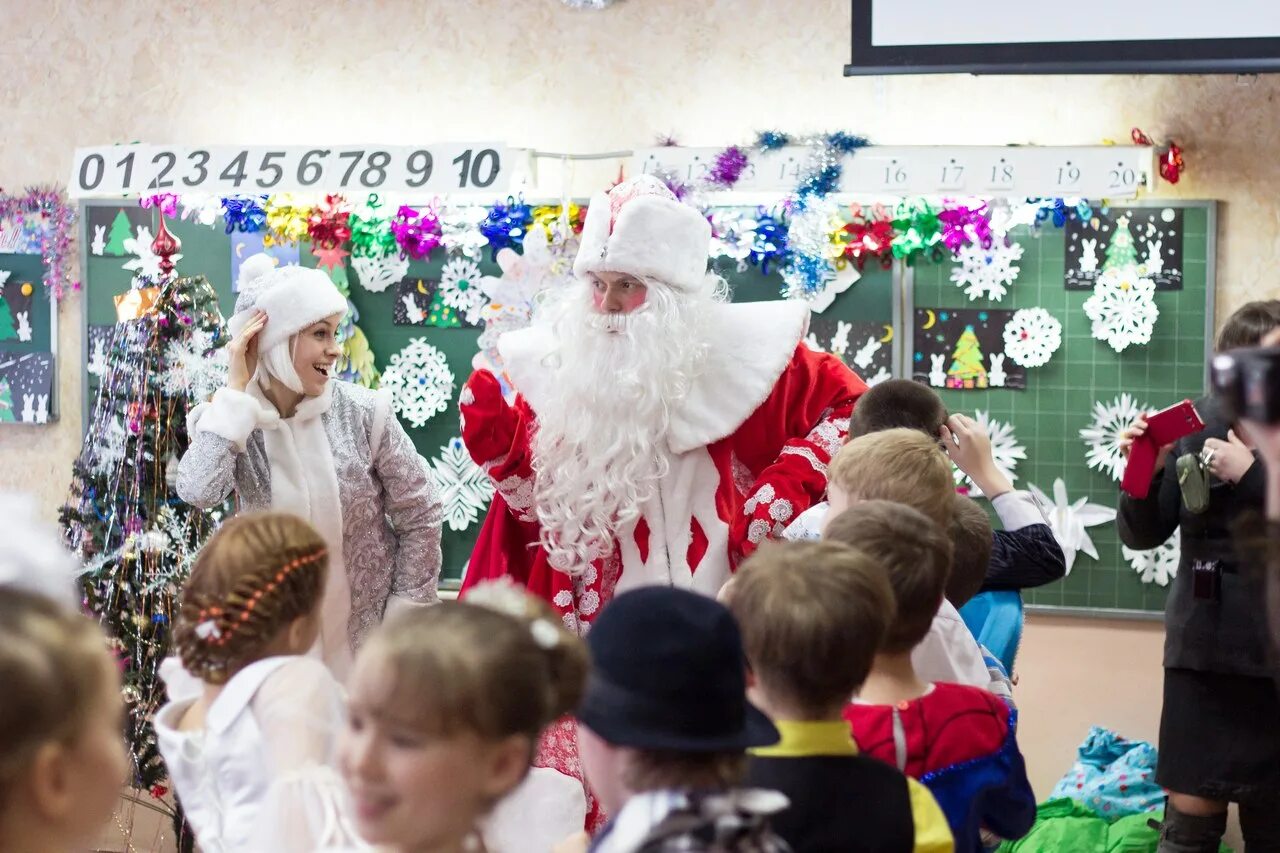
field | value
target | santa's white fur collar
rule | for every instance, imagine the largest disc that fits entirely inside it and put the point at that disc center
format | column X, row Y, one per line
column 750, row 344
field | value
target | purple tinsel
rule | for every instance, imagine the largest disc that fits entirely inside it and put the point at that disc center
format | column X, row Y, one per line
column 244, row 214
column 416, row 233
column 964, row 225
column 769, row 244
column 44, row 214
column 506, row 225
column 727, row 167
column 167, row 202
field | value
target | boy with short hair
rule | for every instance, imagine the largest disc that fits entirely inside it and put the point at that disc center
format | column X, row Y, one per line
column 812, row 616
column 958, row 740
column 971, row 552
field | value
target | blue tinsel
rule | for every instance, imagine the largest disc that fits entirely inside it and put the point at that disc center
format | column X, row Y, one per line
column 769, row 245
column 845, row 143
column 821, row 183
column 807, row 274
column 772, row 140
column 506, row 225
column 245, row 214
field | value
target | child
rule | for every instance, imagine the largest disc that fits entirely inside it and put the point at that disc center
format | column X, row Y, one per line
column 250, row 754
column 812, row 616
column 971, row 552
column 664, row 726
column 904, row 466
column 62, row 760
column 958, row 740
column 447, row 705
column 1025, row 554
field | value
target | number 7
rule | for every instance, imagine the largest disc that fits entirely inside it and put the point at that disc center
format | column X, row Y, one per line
column 356, row 157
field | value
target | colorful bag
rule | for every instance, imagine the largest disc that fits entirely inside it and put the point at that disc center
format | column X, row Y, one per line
column 1113, row 777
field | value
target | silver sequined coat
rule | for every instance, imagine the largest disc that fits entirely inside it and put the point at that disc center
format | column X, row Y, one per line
column 391, row 513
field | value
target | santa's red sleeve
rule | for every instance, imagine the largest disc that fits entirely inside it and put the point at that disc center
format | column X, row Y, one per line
column 811, row 401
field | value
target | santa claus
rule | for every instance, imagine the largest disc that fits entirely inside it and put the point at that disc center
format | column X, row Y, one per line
column 659, row 433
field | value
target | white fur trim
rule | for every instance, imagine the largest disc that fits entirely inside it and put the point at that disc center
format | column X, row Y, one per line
column 232, row 414
column 652, row 236
column 750, row 344
column 293, row 298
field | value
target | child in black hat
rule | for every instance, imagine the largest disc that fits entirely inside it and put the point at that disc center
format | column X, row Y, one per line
column 664, row 727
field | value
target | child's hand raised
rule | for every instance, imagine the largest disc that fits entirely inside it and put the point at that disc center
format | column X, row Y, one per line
column 969, row 446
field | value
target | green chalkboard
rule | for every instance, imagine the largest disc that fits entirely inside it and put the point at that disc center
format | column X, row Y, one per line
column 867, row 307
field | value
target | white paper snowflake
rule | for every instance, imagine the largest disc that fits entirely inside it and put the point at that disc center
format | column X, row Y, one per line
column 1103, row 434
column 464, row 488
column 377, row 274
column 193, row 367
column 1005, row 451
column 1031, row 337
column 1160, row 564
column 1123, row 308
column 109, row 450
column 420, row 381
column 460, row 288
column 145, row 262
column 987, row 273
column 1069, row 521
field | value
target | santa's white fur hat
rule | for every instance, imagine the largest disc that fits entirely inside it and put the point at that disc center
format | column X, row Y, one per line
column 293, row 298
column 640, row 228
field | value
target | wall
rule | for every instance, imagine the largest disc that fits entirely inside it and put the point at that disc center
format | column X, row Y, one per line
column 535, row 73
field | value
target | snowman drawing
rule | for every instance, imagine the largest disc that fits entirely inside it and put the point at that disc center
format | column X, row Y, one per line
column 996, row 375
column 99, row 244
column 937, row 376
column 1088, row 256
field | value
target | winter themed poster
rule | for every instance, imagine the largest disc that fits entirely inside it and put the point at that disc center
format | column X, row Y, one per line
column 1148, row 238
column 866, row 346
column 421, row 302
column 108, row 227
column 15, row 307
column 963, row 349
column 25, row 385
column 246, row 245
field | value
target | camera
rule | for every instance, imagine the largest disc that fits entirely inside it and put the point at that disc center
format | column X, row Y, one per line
column 1246, row 382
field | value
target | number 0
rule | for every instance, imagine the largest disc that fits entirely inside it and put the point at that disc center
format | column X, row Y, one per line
column 494, row 165
column 99, row 166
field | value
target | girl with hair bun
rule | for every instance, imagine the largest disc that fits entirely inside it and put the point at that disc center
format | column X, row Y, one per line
column 447, row 705
column 284, row 435
column 251, row 755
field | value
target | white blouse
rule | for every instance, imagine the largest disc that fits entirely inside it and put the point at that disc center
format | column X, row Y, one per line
column 260, row 774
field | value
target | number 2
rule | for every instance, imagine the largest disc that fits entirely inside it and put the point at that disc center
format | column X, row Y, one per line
column 159, row 181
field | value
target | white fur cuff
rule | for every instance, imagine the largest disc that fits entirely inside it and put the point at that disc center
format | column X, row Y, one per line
column 232, row 414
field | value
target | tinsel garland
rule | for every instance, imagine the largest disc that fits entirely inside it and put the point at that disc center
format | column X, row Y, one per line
column 47, row 225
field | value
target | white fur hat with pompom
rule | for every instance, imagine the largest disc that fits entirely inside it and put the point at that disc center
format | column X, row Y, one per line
column 293, row 298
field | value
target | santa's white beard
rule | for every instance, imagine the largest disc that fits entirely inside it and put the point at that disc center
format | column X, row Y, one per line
column 600, row 448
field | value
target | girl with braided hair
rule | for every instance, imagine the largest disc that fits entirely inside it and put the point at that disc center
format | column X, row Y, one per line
column 250, row 754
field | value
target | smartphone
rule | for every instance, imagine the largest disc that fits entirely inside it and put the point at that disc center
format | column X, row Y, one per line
column 1164, row 427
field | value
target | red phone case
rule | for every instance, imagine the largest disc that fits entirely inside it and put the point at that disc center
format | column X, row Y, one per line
column 1164, row 427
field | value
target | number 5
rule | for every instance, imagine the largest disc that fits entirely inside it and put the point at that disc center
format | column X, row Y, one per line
column 268, row 165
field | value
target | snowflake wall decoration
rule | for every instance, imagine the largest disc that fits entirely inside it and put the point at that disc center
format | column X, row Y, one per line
column 1069, row 521
column 420, row 381
column 1005, row 451
column 1123, row 308
column 1160, row 564
column 1103, row 434
column 145, row 263
column 460, row 288
column 464, row 488
column 194, row 367
column 1031, row 337
column 377, row 274
column 987, row 273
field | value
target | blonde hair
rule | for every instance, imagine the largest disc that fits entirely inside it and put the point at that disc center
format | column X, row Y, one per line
column 51, row 665
column 812, row 615
column 499, row 663
column 259, row 573
column 913, row 550
column 900, row 465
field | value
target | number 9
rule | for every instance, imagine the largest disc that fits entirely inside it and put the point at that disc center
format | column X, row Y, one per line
column 420, row 164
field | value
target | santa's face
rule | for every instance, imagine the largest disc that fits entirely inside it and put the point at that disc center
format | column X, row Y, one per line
column 617, row 292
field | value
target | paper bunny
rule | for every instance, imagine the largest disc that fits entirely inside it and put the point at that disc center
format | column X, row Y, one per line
column 1155, row 261
column 840, row 343
column 99, row 244
column 996, row 375
column 411, row 309
column 866, row 352
column 937, row 376
column 28, row 408
column 24, row 326
column 42, row 409
column 1088, row 255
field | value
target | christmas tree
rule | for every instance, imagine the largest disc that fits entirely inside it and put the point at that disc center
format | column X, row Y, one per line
column 6, row 403
column 7, row 329
column 441, row 315
column 1121, row 251
column 967, row 369
column 121, row 230
column 136, row 539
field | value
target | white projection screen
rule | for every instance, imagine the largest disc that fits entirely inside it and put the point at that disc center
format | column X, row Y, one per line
column 1080, row 37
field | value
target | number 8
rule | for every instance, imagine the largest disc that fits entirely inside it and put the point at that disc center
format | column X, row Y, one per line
column 378, row 161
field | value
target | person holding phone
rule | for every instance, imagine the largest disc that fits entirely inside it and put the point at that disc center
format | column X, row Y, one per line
column 1219, row 729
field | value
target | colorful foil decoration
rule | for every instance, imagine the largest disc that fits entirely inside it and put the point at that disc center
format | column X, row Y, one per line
column 167, row 202
column 845, row 143
column 329, row 224
column 918, row 231
column 869, row 237
column 370, row 235
column 1057, row 208
column 727, row 168
column 244, row 214
column 417, row 233
column 772, row 140
column 43, row 214
column 1169, row 158
column 552, row 216
column 506, row 225
column 286, row 220
column 963, row 226
column 769, row 244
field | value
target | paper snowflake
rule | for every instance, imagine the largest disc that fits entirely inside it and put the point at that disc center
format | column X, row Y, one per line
column 420, row 381
column 1158, row 565
column 1031, row 337
column 1103, row 434
column 377, row 274
column 193, row 367
column 987, row 273
column 511, row 296
column 1069, row 521
column 145, row 262
column 460, row 288
column 109, row 450
column 1123, row 308
column 1005, row 451
column 465, row 489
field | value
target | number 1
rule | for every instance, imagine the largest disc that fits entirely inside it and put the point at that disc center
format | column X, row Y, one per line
column 127, row 164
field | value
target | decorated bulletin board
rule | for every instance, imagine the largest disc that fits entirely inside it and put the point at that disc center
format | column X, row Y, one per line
column 1056, row 424
column 28, row 341
column 859, row 325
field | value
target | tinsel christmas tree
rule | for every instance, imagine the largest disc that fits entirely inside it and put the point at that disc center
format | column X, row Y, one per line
column 136, row 539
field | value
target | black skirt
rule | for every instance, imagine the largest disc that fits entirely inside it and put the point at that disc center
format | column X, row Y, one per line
column 1220, row 737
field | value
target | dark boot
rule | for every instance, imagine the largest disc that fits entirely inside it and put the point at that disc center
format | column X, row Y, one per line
column 1184, row 833
column 1260, row 826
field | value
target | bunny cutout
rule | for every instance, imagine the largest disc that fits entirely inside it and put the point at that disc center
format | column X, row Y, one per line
column 28, row 408
column 411, row 309
column 937, row 376
column 99, row 244
column 996, row 375
column 42, row 409
column 1088, row 256
column 866, row 352
column 24, row 326
column 1155, row 261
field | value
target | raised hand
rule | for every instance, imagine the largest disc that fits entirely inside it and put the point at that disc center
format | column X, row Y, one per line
column 243, row 353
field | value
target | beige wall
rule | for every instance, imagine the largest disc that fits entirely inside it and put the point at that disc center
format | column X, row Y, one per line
column 534, row 73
